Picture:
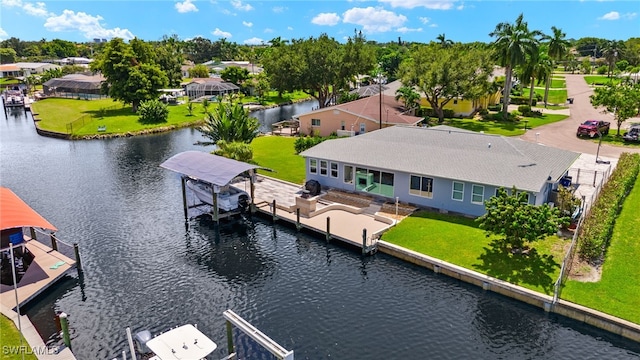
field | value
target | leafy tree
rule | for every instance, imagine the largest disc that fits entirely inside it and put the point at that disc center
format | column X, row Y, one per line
column 199, row 50
column 128, row 78
column 59, row 48
column 513, row 43
column 236, row 150
column 231, row 123
column 409, row 97
column 622, row 100
column 519, row 222
column 7, row 56
column 153, row 112
column 586, row 66
column 199, row 71
column 446, row 73
column 234, row 74
column 169, row 58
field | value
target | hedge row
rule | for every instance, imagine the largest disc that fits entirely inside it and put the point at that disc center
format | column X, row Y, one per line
column 597, row 228
column 521, row 100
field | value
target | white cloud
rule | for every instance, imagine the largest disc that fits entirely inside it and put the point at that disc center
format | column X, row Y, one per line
column 87, row 24
column 253, row 41
column 613, row 15
column 405, row 30
column 429, row 4
column 289, row 28
column 227, row 12
column 433, row 25
column 38, row 9
column 424, row 20
column 460, row 7
column 629, row 16
column 329, row 19
column 3, row 34
column 12, row 3
column 237, row 4
column 279, row 9
column 269, row 30
column 186, row 6
column 373, row 19
column 219, row 33
column 247, row 24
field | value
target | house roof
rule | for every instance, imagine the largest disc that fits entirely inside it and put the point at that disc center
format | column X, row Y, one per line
column 76, row 81
column 368, row 90
column 451, row 153
column 369, row 108
column 34, row 65
column 211, row 168
column 9, row 67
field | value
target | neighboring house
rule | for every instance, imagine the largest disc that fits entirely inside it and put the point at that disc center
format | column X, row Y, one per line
column 219, row 66
column 202, row 87
column 356, row 117
column 75, row 85
column 74, row 61
column 440, row 167
column 10, row 71
column 29, row 68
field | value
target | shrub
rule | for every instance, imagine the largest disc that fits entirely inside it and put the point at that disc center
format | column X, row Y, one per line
column 448, row 113
column 596, row 230
column 602, row 70
column 483, row 112
column 152, row 112
column 521, row 100
column 305, row 142
column 496, row 107
column 524, row 109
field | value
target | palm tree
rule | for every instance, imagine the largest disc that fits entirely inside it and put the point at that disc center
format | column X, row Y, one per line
column 530, row 69
column 513, row 43
column 409, row 97
column 558, row 49
column 443, row 41
column 612, row 51
column 231, row 123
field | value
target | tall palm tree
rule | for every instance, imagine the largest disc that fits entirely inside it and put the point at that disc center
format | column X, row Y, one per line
column 513, row 43
column 443, row 41
column 612, row 51
column 558, row 49
column 534, row 69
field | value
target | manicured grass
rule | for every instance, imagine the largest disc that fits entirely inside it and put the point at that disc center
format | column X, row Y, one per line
column 558, row 83
column 506, row 128
column 556, row 96
column 618, row 292
column 600, row 79
column 272, row 98
column 551, row 107
column 56, row 113
column 11, row 338
column 277, row 153
column 613, row 139
column 458, row 240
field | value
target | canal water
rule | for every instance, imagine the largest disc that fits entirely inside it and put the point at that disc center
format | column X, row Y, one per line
column 145, row 267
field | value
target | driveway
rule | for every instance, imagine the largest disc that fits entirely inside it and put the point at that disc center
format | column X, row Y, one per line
column 562, row 134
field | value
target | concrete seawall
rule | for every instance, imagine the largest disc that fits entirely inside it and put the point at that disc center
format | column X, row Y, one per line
column 568, row 309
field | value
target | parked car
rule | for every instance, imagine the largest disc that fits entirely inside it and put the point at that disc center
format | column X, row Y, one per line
column 633, row 134
column 591, row 128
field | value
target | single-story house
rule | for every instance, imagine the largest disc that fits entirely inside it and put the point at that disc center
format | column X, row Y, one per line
column 219, row 66
column 10, row 71
column 356, row 117
column 75, row 85
column 31, row 68
column 201, row 87
column 441, row 167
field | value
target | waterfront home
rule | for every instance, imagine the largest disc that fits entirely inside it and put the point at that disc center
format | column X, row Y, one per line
column 209, row 87
column 10, row 71
column 356, row 117
column 33, row 68
column 441, row 167
column 75, row 85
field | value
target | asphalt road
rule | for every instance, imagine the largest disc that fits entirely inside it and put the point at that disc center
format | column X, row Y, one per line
column 562, row 134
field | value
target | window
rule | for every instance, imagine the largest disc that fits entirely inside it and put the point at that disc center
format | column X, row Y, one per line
column 315, row 122
column 363, row 128
column 313, row 166
column 458, row 191
column 348, row 174
column 334, row 170
column 526, row 199
column 477, row 194
column 421, row 186
column 323, row 167
column 455, row 101
column 342, row 125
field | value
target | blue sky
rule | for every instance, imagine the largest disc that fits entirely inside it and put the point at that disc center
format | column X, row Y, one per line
column 254, row 22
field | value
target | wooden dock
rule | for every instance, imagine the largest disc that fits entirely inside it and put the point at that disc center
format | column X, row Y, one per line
column 47, row 267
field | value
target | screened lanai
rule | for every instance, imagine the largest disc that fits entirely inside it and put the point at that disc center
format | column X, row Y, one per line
column 199, row 88
column 75, row 86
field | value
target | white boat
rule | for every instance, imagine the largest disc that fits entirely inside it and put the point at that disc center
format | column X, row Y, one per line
column 184, row 342
column 13, row 98
column 230, row 198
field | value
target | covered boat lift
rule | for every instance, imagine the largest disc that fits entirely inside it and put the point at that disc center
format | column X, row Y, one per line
column 216, row 170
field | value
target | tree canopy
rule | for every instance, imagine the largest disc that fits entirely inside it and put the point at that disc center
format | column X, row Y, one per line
column 622, row 100
column 131, row 76
column 510, row 215
column 446, row 73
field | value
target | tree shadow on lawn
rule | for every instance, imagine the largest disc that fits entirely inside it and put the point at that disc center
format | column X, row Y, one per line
column 120, row 111
column 484, row 125
column 532, row 268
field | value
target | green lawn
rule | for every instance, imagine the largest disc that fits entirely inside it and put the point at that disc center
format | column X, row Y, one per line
column 277, row 153
column 11, row 337
column 458, row 240
column 556, row 96
column 506, row 128
column 551, row 107
column 56, row 113
column 613, row 139
column 558, row 83
column 600, row 79
column 618, row 292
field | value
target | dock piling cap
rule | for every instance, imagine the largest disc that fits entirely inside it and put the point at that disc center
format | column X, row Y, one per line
column 185, row 342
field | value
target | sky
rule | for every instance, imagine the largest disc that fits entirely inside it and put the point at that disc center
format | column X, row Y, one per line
column 257, row 22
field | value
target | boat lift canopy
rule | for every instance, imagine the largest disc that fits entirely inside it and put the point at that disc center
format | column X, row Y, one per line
column 214, row 169
column 15, row 213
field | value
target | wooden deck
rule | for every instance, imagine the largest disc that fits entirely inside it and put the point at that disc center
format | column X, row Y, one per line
column 47, row 267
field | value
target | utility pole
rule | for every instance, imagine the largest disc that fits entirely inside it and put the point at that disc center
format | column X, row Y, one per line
column 380, row 90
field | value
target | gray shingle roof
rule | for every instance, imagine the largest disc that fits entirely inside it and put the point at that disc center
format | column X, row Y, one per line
column 451, row 153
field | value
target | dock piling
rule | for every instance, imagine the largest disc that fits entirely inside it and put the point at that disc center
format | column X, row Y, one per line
column 64, row 324
column 54, row 242
column 273, row 211
column 364, row 241
column 230, row 337
column 76, row 250
column 328, row 235
column 298, row 226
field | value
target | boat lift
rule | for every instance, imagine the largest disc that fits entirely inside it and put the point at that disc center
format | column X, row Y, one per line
column 266, row 342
